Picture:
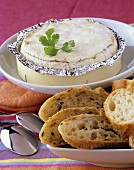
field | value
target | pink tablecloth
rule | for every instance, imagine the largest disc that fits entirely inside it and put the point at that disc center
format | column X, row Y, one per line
column 16, row 15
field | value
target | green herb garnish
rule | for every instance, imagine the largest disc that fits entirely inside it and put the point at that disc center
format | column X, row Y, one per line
column 50, row 40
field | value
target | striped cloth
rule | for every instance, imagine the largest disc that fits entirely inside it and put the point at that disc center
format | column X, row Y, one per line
column 42, row 160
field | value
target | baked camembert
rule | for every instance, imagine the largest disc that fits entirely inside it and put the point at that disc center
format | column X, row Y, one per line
column 94, row 43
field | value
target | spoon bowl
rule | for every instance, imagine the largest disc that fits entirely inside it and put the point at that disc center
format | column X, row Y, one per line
column 19, row 140
column 30, row 121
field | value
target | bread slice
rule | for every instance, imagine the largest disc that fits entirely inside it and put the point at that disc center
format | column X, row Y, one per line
column 74, row 97
column 123, row 83
column 119, row 109
column 49, row 133
column 90, row 132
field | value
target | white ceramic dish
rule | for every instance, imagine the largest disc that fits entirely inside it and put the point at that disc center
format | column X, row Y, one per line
column 116, row 158
column 9, row 69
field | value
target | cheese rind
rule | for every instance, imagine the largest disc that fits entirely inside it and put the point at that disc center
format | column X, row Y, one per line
column 94, row 42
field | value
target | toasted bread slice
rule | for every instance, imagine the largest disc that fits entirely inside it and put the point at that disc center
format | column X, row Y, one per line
column 74, row 97
column 119, row 109
column 90, row 132
column 49, row 133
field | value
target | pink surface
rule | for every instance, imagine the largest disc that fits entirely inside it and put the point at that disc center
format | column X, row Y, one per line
column 16, row 15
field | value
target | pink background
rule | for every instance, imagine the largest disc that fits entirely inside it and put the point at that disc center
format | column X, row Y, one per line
column 16, row 15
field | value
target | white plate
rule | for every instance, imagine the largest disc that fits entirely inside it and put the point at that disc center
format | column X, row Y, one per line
column 117, row 158
column 9, row 69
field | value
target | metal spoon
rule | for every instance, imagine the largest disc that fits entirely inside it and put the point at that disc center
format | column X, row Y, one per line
column 30, row 121
column 19, row 140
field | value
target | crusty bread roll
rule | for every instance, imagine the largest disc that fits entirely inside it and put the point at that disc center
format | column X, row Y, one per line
column 123, row 83
column 119, row 108
column 49, row 133
column 90, row 131
column 74, row 97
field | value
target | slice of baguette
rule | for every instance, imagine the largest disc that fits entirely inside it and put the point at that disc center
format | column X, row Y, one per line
column 123, row 83
column 119, row 109
column 74, row 97
column 90, row 132
column 49, row 133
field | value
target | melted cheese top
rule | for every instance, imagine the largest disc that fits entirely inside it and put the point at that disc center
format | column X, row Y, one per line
column 94, row 42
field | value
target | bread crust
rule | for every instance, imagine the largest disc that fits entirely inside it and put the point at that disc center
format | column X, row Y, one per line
column 123, row 83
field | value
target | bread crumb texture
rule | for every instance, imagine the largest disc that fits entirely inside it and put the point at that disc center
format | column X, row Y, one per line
column 49, row 133
column 90, row 131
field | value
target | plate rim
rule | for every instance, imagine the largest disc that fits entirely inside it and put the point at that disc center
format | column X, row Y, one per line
column 107, row 153
column 90, row 150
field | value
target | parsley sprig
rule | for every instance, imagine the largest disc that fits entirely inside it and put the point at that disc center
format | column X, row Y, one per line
column 50, row 40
